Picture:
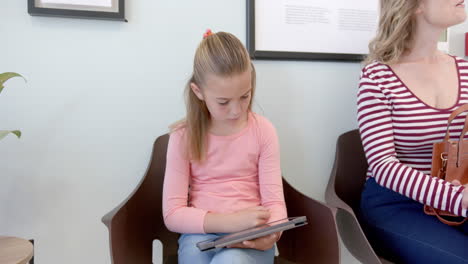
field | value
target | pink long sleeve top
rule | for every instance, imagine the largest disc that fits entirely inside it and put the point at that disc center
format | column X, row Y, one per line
column 240, row 171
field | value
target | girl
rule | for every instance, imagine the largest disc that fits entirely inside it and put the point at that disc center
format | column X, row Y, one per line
column 407, row 91
column 223, row 164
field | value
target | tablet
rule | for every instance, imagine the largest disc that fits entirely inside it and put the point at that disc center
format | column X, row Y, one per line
column 252, row 233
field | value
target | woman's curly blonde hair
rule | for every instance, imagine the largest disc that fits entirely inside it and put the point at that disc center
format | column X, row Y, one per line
column 395, row 31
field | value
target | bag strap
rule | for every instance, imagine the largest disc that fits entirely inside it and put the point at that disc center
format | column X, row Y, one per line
column 447, row 222
column 465, row 129
column 460, row 142
column 453, row 115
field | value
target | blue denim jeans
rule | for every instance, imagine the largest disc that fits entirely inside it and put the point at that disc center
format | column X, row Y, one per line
column 399, row 230
column 190, row 254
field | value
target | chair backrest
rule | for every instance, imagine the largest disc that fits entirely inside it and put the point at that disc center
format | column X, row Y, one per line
column 350, row 168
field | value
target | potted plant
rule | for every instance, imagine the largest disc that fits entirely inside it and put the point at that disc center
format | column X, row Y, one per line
column 3, row 78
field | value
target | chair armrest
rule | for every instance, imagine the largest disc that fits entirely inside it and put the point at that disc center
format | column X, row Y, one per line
column 354, row 238
column 108, row 218
column 331, row 197
column 137, row 221
column 119, row 230
column 123, row 228
column 343, row 192
column 315, row 242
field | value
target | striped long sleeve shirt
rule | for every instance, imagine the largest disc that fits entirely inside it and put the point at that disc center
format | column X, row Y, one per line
column 398, row 131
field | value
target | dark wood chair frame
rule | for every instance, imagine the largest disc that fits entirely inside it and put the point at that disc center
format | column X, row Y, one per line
column 138, row 220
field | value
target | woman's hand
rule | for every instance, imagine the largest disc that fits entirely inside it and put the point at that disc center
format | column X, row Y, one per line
column 465, row 193
column 261, row 243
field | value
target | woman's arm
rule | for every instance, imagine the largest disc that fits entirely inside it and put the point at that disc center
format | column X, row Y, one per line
column 465, row 194
column 376, row 129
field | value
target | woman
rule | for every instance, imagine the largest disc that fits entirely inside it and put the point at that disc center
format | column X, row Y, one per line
column 407, row 91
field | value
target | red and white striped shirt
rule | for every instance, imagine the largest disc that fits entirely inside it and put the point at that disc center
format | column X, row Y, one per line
column 398, row 131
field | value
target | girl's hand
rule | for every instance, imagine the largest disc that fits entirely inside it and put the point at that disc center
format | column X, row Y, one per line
column 261, row 243
column 237, row 221
column 250, row 217
column 465, row 193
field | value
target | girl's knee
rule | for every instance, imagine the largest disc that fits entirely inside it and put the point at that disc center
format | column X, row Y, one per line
column 232, row 255
column 243, row 256
column 188, row 250
column 192, row 238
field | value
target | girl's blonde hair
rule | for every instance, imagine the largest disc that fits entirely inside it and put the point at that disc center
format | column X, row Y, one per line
column 220, row 54
column 395, row 31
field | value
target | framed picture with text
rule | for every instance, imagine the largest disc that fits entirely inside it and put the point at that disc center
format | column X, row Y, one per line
column 91, row 9
column 311, row 29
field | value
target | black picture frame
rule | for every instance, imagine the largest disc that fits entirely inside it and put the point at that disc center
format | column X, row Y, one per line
column 67, row 10
column 287, row 55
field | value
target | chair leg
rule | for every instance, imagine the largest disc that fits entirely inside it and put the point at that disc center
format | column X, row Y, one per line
column 32, row 259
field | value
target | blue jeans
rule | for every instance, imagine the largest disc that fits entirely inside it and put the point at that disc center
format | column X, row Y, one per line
column 189, row 253
column 399, row 230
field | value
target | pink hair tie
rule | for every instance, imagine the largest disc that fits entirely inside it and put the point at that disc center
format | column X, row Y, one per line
column 207, row 33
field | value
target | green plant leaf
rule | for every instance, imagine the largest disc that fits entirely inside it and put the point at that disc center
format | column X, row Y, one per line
column 4, row 133
column 6, row 76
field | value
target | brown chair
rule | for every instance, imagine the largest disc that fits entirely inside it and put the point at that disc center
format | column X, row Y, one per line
column 344, row 193
column 138, row 220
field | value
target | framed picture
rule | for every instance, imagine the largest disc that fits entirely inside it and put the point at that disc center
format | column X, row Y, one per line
column 92, row 9
column 310, row 29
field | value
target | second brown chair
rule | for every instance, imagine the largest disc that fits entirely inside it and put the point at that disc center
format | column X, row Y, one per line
column 344, row 193
column 138, row 220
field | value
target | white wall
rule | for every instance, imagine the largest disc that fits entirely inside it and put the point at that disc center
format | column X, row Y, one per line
column 100, row 92
column 457, row 39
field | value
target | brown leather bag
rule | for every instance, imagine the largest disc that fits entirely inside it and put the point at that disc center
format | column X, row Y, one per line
column 450, row 162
